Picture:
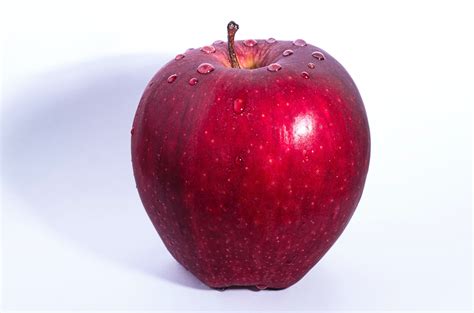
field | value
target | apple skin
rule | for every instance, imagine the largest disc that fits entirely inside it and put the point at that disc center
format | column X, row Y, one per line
column 250, row 176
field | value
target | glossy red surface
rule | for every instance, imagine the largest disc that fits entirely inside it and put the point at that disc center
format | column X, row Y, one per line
column 250, row 175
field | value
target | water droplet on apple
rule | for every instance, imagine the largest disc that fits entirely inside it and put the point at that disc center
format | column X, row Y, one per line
column 274, row 67
column 271, row 40
column 311, row 65
column 299, row 42
column 179, row 57
column 239, row 160
column 172, row 78
column 193, row 81
column 205, row 68
column 218, row 42
column 287, row 52
column 250, row 42
column 318, row 55
column 208, row 49
column 189, row 49
column 261, row 287
column 239, row 106
column 305, row 75
column 132, row 131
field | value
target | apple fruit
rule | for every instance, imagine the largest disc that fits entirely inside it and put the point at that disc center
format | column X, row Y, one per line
column 250, row 158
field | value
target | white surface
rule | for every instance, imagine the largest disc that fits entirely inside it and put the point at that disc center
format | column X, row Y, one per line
column 75, row 235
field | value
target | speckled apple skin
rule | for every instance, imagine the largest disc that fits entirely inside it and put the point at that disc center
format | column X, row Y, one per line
column 251, row 197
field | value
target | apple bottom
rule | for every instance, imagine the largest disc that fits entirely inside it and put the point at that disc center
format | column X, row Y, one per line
column 221, row 283
column 233, row 253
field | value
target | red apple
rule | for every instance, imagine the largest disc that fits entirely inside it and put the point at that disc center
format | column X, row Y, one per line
column 250, row 158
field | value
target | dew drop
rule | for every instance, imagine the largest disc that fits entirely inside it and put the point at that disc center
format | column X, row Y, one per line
column 218, row 42
column 205, row 68
column 305, row 75
column 239, row 160
column 193, row 81
column 239, row 106
column 208, row 49
column 287, row 52
column 250, row 42
column 271, row 40
column 274, row 67
column 189, row 49
column 150, row 84
column 179, row 57
column 299, row 42
column 311, row 65
column 318, row 55
column 261, row 287
column 132, row 131
column 172, row 78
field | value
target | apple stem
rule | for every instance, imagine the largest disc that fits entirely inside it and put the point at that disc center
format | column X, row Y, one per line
column 232, row 28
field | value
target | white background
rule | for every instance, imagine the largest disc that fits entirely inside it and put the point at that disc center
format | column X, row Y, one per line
column 74, row 233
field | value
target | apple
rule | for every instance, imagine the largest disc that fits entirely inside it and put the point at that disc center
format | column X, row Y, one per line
column 250, row 158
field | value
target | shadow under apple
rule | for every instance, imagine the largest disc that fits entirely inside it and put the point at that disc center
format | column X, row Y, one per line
column 66, row 153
